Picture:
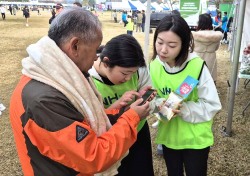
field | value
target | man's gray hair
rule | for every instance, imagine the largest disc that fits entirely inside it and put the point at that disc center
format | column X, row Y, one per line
column 75, row 22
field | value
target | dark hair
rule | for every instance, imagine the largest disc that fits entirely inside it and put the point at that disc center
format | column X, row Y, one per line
column 124, row 51
column 176, row 12
column 99, row 50
column 205, row 22
column 230, row 20
column 179, row 26
column 78, row 4
column 218, row 13
column 86, row 26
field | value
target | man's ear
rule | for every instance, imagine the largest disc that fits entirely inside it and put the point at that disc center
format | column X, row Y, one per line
column 74, row 45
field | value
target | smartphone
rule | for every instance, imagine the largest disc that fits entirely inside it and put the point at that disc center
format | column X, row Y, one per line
column 146, row 96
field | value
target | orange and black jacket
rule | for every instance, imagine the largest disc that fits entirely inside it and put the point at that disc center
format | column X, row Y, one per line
column 53, row 139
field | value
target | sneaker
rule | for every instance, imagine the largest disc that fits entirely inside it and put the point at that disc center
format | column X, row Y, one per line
column 159, row 149
column 2, row 107
column 27, row 25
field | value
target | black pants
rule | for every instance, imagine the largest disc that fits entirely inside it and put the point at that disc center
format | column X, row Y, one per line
column 130, row 32
column 139, row 161
column 193, row 160
column 143, row 27
column 225, row 35
column 125, row 22
column 3, row 16
column 219, row 29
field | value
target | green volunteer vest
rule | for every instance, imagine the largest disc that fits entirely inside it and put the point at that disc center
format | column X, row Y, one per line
column 130, row 25
column 112, row 93
column 178, row 134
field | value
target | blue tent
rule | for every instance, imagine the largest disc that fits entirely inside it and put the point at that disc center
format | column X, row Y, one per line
column 165, row 8
column 140, row 6
column 133, row 8
column 152, row 8
column 156, row 7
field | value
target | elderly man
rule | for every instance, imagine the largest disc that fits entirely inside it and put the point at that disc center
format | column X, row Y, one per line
column 59, row 124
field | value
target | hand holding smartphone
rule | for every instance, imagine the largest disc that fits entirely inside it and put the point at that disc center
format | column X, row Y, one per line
column 148, row 96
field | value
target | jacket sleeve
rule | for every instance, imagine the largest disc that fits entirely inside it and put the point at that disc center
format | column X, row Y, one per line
column 76, row 145
column 113, row 115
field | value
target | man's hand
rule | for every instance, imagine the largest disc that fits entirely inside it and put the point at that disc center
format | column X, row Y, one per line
column 142, row 110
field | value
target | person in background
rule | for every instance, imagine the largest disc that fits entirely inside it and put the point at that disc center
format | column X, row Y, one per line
column 229, row 24
column 54, row 13
column 217, row 22
column 10, row 9
column 130, row 25
column 187, row 137
column 3, row 11
column 78, row 4
column 224, row 28
column 207, row 42
column 26, row 13
column 14, row 9
column 120, row 74
column 130, row 13
column 59, row 8
column 114, row 14
column 57, row 116
column 124, row 18
column 134, row 16
column 38, row 11
column 143, row 21
column 247, row 49
column 139, row 21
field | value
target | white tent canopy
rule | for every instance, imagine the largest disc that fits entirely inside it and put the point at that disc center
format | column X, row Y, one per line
column 124, row 5
column 176, row 6
column 157, row 7
column 164, row 6
column 154, row 6
column 138, row 5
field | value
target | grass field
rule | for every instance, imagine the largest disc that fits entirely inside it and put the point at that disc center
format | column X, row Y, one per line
column 229, row 156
